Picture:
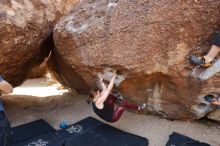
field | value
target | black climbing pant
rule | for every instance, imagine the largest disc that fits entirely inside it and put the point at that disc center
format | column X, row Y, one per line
column 5, row 131
column 216, row 40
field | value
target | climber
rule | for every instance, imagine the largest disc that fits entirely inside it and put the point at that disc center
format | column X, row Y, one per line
column 208, row 59
column 103, row 101
column 213, row 98
column 5, row 129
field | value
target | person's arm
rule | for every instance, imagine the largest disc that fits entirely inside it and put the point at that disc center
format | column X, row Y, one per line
column 105, row 93
column 102, row 83
column 5, row 87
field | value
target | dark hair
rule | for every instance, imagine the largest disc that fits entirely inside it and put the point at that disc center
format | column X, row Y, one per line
column 92, row 94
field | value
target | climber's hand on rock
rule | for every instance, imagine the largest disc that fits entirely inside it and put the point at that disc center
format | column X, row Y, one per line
column 100, row 76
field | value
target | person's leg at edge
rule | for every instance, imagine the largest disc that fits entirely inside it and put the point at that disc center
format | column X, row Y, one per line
column 213, row 52
column 215, row 49
column 120, row 109
column 210, row 56
column 5, row 128
column 5, row 131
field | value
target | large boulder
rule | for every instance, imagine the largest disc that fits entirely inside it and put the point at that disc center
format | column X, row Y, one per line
column 148, row 42
column 25, row 26
column 215, row 115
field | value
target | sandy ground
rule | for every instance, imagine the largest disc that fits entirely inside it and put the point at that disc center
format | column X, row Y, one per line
column 35, row 99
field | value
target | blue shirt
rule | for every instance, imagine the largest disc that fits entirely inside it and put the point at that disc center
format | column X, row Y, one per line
column 1, row 105
column 1, row 79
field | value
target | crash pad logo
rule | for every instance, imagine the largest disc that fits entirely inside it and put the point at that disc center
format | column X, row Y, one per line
column 39, row 142
column 75, row 129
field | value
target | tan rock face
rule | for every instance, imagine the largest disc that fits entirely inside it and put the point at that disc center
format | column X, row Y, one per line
column 39, row 71
column 149, row 42
column 215, row 115
column 24, row 27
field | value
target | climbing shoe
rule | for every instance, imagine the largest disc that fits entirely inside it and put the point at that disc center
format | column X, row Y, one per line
column 199, row 61
column 215, row 100
column 142, row 106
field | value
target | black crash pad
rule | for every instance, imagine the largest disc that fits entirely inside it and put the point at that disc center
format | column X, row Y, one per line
column 91, row 132
column 47, row 139
column 176, row 139
column 36, row 133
